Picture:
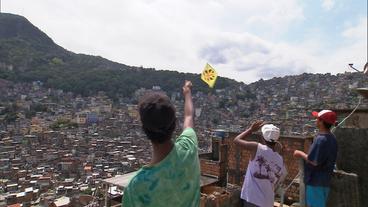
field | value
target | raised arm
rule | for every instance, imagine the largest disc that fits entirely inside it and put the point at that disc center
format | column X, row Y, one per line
column 249, row 145
column 188, row 105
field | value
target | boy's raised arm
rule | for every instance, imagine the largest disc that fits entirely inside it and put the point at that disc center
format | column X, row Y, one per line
column 249, row 145
column 188, row 105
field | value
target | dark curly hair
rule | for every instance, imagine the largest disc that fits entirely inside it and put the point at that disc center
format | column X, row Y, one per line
column 158, row 117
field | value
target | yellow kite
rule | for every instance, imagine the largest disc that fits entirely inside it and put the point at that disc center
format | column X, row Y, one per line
column 209, row 75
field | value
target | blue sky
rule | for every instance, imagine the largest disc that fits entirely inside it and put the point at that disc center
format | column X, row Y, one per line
column 243, row 39
column 330, row 23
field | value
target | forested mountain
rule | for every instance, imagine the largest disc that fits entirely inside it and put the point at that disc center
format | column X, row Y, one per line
column 28, row 54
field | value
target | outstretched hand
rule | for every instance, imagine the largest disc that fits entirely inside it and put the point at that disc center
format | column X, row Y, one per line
column 256, row 125
column 299, row 154
column 187, row 87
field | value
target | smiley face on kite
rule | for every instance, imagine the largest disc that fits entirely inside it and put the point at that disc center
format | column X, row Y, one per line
column 209, row 74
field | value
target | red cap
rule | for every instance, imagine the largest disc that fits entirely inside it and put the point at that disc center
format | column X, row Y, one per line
column 327, row 116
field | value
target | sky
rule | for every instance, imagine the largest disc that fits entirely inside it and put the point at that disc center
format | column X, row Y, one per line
column 245, row 40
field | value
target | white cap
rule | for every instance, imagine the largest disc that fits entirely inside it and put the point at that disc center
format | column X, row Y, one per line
column 270, row 132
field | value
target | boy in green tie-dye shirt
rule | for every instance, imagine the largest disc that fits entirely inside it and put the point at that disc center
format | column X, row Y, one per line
column 173, row 177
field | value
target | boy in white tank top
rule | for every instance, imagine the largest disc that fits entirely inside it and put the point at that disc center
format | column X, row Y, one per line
column 266, row 168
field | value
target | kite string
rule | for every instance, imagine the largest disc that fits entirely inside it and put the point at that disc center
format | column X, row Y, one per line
column 359, row 102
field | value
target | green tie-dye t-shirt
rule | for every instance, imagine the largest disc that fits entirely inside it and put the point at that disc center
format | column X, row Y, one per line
column 173, row 182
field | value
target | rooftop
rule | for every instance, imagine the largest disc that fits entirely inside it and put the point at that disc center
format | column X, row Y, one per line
column 363, row 92
column 123, row 180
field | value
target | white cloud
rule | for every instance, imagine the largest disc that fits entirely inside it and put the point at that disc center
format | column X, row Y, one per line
column 358, row 31
column 328, row 4
column 166, row 34
column 352, row 49
column 240, row 38
column 246, row 53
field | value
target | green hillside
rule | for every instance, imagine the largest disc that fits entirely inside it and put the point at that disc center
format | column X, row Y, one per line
column 28, row 54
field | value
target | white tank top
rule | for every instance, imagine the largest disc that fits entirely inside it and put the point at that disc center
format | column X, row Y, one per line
column 263, row 173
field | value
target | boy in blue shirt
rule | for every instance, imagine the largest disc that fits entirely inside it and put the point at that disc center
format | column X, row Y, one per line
column 320, row 161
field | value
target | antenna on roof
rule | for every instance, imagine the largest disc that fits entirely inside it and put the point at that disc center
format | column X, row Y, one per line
column 351, row 66
column 365, row 69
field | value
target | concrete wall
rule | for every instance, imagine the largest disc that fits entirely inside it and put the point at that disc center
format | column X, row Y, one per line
column 344, row 190
column 357, row 120
column 353, row 157
column 216, row 165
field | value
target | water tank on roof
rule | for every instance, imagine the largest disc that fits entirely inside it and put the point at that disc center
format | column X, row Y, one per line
column 219, row 133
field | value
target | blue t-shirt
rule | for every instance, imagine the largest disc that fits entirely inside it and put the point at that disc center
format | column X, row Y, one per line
column 323, row 152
